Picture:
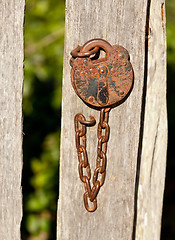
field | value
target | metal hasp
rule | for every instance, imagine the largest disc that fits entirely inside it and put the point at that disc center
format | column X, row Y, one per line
column 102, row 83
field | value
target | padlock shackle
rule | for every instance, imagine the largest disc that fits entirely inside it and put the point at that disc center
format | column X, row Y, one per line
column 97, row 42
column 77, row 52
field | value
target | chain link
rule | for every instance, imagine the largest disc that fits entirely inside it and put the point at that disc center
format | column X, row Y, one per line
column 80, row 136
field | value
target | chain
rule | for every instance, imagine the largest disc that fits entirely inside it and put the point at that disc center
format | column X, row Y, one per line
column 80, row 134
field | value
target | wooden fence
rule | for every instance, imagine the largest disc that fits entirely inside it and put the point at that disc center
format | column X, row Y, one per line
column 130, row 202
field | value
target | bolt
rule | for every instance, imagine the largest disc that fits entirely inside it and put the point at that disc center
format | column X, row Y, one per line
column 91, row 99
column 102, row 69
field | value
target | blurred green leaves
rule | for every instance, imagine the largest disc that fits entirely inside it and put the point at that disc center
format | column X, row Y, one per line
column 44, row 31
column 171, row 31
column 44, row 39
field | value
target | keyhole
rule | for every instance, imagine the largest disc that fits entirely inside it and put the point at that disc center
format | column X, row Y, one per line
column 102, row 95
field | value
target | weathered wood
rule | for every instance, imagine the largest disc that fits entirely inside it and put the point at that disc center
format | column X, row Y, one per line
column 11, row 81
column 124, row 23
column 153, row 156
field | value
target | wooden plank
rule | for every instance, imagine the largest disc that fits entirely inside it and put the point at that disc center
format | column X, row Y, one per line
column 153, row 157
column 124, row 23
column 11, row 81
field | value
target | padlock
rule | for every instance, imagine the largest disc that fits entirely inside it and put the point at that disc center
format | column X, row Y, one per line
column 101, row 82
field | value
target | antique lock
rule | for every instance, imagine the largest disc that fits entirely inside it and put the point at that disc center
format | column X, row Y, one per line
column 101, row 83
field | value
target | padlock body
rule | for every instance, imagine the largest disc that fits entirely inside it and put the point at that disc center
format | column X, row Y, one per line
column 103, row 83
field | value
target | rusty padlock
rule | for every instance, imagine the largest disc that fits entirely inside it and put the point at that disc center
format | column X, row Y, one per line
column 101, row 82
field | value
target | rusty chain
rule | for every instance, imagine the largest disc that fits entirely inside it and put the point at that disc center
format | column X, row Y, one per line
column 80, row 134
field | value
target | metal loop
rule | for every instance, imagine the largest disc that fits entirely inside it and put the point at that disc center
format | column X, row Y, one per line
column 77, row 118
column 92, row 193
column 102, row 114
column 77, row 142
column 97, row 43
column 95, row 190
column 102, row 147
column 88, row 188
column 99, row 147
column 99, row 132
column 91, row 122
column 81, row 149
column 77, row 52
column 85, row 197
column 95, row 177
column 103, row 166
column 88, row 170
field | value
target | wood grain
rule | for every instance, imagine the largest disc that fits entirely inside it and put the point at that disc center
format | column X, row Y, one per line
column 153, row 156
column 123, row 23
column 11, row 82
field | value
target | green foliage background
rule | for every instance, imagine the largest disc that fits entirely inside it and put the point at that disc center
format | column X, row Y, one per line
column 44, row 39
